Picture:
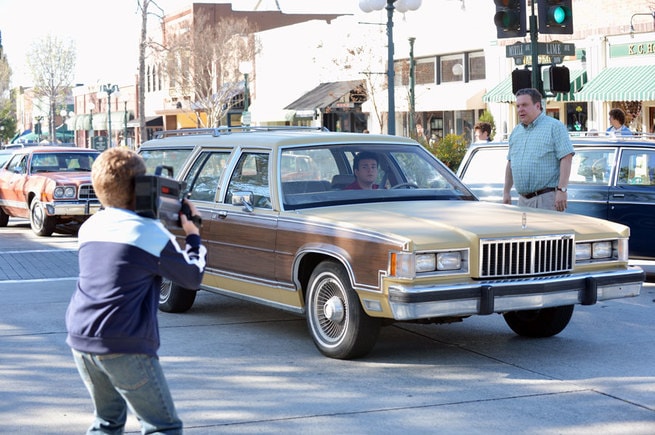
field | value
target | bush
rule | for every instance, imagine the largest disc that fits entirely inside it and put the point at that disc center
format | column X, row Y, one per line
column 450, row 150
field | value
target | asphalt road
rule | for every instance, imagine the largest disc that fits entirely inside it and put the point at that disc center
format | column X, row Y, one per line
column 235, row 367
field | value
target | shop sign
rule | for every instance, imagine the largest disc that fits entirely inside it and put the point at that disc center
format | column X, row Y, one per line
column 646, row 48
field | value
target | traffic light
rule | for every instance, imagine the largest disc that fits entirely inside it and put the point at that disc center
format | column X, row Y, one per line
column 555, row 16
column 510, row 18
column 556, row 79
column 521, row 79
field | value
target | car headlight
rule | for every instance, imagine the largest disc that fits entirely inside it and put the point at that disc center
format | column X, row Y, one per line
column 407, row 264
column 64, row 192
column 602, row 250
column 449, row 260
column 582, row 251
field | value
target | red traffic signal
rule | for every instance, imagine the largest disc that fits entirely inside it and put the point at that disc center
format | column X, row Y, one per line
column 510, row 18
column 555, row 16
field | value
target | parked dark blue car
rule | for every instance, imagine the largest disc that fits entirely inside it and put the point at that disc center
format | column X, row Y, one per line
column 611, row 178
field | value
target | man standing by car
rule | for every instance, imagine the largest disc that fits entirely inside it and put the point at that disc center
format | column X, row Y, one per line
column 539, row 157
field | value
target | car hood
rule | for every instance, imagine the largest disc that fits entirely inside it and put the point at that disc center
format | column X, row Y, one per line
column 67, row 177
column 428, row 223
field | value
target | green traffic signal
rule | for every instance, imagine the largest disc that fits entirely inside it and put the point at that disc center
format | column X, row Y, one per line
column 555, row 16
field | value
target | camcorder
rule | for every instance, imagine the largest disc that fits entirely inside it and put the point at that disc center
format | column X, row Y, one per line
column 162, row 197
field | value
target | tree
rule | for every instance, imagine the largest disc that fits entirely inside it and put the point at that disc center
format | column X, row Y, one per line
column 51, row 62
column 7, row 116
column 143, row 6
column 359, row 60
column 202, row 64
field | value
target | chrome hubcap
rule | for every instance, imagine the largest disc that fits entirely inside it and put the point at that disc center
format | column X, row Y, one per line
column 334, row 309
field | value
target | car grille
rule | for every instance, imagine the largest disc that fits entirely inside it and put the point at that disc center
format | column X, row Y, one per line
column 87, row 192
column 526, row 256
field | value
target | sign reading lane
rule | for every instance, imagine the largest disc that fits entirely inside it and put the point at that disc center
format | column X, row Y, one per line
column 543, row 48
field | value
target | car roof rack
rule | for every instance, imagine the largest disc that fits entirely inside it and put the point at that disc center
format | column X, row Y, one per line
column 218, row 131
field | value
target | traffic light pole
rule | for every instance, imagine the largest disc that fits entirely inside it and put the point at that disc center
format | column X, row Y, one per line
column 534, row 45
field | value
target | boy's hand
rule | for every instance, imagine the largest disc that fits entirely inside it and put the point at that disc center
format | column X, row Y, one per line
column 190, row 226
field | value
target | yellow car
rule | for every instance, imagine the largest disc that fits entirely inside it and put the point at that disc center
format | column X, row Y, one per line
column 418, row 248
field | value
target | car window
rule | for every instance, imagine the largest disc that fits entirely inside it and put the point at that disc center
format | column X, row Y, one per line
column 637, row 168
column 251, row 175
column 203, row 179
column 486, row 165
column 18, row 164
column 592, row 166
column 165, row 157
column 404, row 173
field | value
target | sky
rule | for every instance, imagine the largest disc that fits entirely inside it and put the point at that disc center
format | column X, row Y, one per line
column 106, row 32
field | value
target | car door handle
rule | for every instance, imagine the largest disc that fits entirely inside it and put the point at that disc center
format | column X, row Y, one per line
column 618, row 195
column 221, row 214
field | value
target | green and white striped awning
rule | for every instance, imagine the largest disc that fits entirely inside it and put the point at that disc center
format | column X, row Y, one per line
column 626, row 83
column 502, row 93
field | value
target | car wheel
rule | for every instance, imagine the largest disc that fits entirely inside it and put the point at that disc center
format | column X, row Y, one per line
column 4, row 218
column 174, row 298
column 539, row 323
column 41, row 223
column 337, row 323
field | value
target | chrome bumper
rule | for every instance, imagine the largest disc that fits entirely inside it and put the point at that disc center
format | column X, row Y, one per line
column 73, row 208
column 487, row 297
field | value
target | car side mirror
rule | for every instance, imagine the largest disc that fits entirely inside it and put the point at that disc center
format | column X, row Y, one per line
column 244, row 198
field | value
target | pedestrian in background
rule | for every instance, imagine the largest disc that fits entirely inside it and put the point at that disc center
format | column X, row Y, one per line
column 617, row 123
column 112, row 316
column 539, row 157
column 482, row 132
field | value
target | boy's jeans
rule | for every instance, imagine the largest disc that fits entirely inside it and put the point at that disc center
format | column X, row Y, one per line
column 116, row 381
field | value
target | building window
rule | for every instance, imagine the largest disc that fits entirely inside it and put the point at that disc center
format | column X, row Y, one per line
column 452, row 68
column 425, row 71
column 477, row 67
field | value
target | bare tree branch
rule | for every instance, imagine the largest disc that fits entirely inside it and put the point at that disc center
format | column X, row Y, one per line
column 52, row 62
column 202, row 64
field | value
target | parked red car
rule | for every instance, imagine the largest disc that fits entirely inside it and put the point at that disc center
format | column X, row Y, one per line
column 50, row 186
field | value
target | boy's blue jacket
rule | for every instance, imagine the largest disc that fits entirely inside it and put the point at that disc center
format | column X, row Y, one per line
column 122, row 257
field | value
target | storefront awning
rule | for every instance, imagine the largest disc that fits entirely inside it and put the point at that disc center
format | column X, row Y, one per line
column 502, row 93
column 628, row 83
column 324, row 95
column 151, row 121
column 99, row 121
column 82, row 122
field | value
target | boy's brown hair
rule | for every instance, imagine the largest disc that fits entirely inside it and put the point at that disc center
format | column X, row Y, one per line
column 113, row 176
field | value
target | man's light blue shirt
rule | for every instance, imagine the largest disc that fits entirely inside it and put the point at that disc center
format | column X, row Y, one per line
column 535, row 151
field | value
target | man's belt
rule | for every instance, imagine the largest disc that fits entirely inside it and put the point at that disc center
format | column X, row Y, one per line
column 537, row 193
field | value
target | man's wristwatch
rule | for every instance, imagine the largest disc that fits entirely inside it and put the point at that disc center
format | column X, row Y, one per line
column 562, row 189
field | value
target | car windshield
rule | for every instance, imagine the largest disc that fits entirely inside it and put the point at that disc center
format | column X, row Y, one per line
column 173, row 158
column 62, row 162
column 320, row 176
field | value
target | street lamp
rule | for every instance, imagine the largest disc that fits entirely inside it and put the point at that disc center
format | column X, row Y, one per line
column 245, row 68
column 632, row 27
column 109, row 89
column 412, row 87
column 91, row 107
column 125, row 121
column 401, row 6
